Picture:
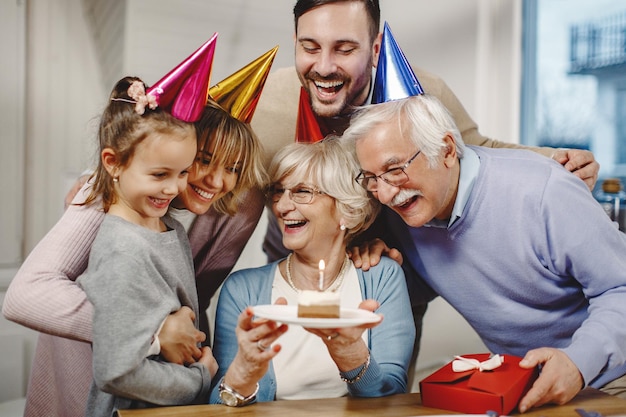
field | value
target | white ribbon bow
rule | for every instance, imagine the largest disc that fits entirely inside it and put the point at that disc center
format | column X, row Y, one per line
column 462, row 364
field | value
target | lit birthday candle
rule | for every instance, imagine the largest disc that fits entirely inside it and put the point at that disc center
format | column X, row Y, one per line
column 322, row 267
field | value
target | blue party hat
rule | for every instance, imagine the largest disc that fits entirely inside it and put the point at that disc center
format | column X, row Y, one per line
column 395, row 78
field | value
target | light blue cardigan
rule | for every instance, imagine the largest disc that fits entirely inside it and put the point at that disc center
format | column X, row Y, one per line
column 390, row 342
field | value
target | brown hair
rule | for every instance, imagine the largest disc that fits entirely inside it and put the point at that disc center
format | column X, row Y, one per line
column 372, row 7
column 122, row 129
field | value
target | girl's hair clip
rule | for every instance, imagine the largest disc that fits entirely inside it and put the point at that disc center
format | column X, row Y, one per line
column 137, row 92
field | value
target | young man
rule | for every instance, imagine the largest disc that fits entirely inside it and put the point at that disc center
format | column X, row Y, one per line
column 504, row 237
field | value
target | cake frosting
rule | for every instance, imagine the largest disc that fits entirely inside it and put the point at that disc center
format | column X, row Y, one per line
column 318, row 304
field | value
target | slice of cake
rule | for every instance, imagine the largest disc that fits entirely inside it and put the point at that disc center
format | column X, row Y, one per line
column 318, row 304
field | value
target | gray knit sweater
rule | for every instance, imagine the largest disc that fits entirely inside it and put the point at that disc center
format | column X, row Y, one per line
column 135, row 278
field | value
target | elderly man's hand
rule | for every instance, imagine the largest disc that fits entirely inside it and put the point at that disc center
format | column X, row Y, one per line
column 580, row 162
column 559, row 381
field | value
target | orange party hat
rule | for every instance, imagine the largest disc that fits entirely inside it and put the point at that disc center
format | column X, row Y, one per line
column 239, row 93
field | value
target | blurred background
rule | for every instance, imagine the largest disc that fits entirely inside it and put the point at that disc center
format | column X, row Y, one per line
column 539, row 72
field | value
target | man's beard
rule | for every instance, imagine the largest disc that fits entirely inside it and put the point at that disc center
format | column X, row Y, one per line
column 335, row 108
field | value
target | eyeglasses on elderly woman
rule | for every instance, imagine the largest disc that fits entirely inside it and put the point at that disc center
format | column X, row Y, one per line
column 301, row 194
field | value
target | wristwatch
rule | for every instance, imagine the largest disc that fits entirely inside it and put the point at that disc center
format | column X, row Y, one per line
column 232, row 398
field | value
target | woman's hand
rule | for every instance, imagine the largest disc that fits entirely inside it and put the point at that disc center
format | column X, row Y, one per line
column 346, row 345
column 69, row 197
column 179, row 338
column 368, row 254
column 256, row 349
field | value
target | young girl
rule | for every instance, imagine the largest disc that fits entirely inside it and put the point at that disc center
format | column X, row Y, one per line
column 140, row 266
column 44, row 295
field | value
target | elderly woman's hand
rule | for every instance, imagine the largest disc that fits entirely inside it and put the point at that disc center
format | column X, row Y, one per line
column 255, row 339
column 346, row 345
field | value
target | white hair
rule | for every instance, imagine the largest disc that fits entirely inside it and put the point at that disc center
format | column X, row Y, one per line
column 422, row 117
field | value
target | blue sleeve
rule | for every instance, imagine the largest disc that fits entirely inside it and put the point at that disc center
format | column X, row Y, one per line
column 241, row 289
column 391, row 342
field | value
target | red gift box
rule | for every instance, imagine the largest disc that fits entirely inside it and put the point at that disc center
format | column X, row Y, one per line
column 476, row 392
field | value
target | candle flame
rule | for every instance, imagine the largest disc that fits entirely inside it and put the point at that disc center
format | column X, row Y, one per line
column 322, row 265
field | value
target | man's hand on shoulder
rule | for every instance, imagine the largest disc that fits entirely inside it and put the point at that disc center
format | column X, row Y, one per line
column 369, row 253
column 580, row 162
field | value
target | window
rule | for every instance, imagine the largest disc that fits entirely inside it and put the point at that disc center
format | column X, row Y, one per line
column 574, row 78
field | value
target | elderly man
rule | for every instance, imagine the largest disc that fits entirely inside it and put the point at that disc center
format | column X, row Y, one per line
column 504, row 237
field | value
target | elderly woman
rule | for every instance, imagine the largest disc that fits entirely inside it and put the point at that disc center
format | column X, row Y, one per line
column 319, row 209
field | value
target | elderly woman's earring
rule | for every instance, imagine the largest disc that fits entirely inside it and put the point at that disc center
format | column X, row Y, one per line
column 115, row 179
column 342, row 227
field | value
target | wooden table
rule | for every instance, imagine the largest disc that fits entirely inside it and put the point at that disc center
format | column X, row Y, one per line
column 401, row 405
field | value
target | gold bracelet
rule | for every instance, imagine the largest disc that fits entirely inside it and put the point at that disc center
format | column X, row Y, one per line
column 360, row 374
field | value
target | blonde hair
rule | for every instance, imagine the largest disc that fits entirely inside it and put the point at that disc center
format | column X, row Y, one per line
column 423, row 118
column 235, row 142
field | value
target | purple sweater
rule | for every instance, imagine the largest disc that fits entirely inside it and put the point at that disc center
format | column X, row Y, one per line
column 533, row 261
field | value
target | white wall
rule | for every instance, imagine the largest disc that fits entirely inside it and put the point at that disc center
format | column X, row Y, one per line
column 12, row 46
column 473, row 44
column 16, row 342
column 48, row 107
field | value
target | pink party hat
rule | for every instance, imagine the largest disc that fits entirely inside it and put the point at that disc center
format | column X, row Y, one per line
column 395, row 78
column 308, row 129
column 183, row 91
column 239, row 93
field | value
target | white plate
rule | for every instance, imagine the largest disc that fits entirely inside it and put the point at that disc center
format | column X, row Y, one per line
column 349, row 317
